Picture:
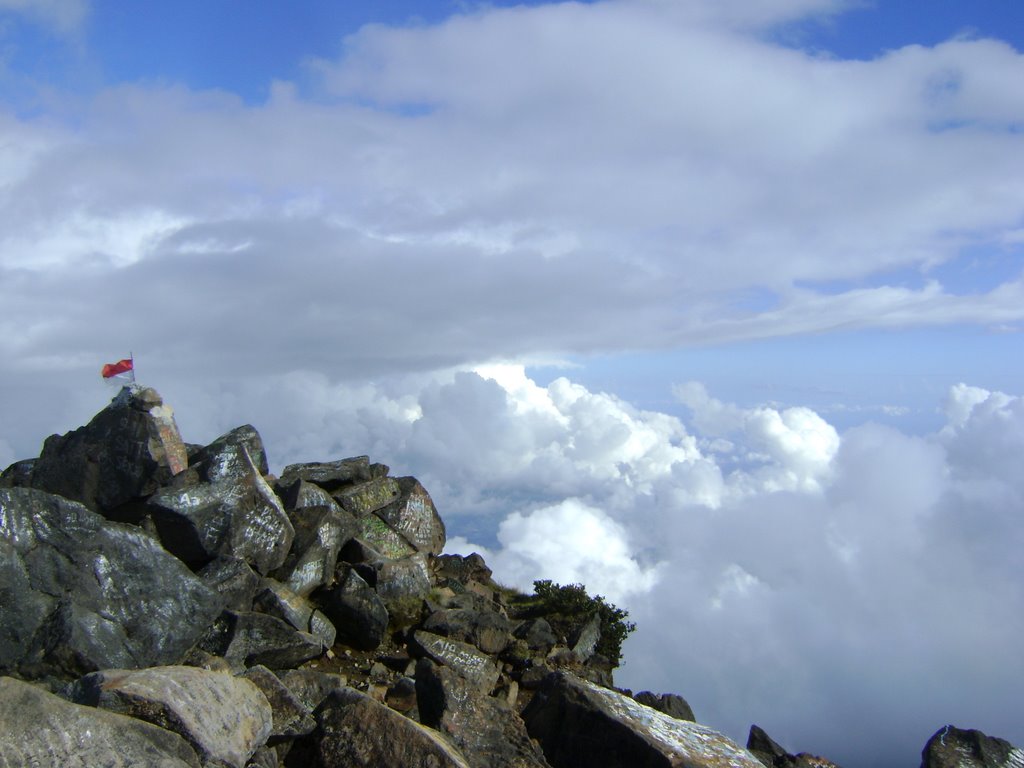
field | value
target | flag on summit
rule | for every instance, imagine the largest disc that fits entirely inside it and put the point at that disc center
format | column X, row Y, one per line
column 113, row 369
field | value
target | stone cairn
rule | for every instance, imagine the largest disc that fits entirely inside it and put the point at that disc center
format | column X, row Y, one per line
column 166, row 604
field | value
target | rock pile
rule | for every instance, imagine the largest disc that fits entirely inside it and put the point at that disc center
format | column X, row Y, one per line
column 167, row 604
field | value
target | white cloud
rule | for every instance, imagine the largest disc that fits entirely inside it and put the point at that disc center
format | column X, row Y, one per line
column 64, row 16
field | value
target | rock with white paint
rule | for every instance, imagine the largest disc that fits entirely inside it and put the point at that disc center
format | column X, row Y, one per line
column 225, row 719
column 474, row 665
column 953, row 747
column 580, row 723
column 40, row 729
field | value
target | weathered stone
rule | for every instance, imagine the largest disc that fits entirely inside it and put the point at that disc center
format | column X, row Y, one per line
column 355, row 609
column 233, row 579
column 759, row 743
column 463, row 568
column 584, row 640
column 246, row 639
column 40, row 729
column 320, row 533
column 224, row 458
column 537, row 634
column 402, row 580
column 487, row 630
column 311, row 686
column 291, row 717
column 953, row 747
column 476, row 667
column 82, row 593
column 414, row 516
column 18, row 475
column 675, row 706
column 382, row 539
column 401, row 695
column 224, row 718
column 275, row 599
column 364, row 498
column 125, row 453
column 332, row 475
column 485, row 729
column 354, row 731
column 299, row 493
column 236, row 514
column 580, row 723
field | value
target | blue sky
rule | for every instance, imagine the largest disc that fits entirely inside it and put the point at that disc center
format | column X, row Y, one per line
column 713, row 305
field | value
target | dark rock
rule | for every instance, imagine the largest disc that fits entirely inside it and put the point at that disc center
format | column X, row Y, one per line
column 233, row 579
column 403, row 580
column 401, row 696
column 355, row 609
column 382, row 540
column 476, row 667
column 82, row 593
column 311, row 686
column 332, row 475
column 584, row 640
column 275, row 599
column 484, row 729
column 354, row 731
column 675, row 706
column 40, row 729
column 291, row 717
column 246, row 639
column 953, row 747
column 464, row 569
column 580, row 723
column 236, row 514
column 537, row 634
column 364, row 498
column 225, row 719
column 320, row 533
column 760, row 744
column 487, row 630
column 298, row 493
column 18, row 475
column 125, row 453
column 225, row 457
column 414, row 516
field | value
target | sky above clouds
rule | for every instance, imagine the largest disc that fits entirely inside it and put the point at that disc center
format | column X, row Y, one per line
column 713, row 306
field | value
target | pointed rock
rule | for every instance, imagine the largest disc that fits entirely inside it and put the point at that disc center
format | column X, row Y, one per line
column 414, row 516
column 952, row 747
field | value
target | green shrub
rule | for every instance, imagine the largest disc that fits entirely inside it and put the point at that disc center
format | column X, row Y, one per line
column 572, row 607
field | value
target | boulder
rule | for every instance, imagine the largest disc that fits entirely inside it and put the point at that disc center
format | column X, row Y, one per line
column 355, row 731
column 125, row 453
column 537, row 634
column 233, row 579
column 379, row 538
column 463, row 568
column 332, row 475
column 41, row 729
column 952, row 747
column 82, row 593
column 414, row 516
column 487, row 630
column 311, row 686
column 18, row 475
column 584, row 640
column 476, row 667
column 320, row 533
column 225, row 719
column 225, row 457
column 580, row 723
column 486, row 730
column 675, row 706
column 363, row 498
column 402, row 580
column 275, row 599
column 355, row 609
column 236, row 513
column 291, row 717
column 247, row 638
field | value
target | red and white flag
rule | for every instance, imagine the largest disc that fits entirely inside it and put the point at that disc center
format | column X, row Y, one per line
column 121, row 366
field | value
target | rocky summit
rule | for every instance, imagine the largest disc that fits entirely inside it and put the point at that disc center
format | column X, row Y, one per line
column 167, row 604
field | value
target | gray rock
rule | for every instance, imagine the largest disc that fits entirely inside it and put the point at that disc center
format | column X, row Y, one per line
column 403, row 580
column 355, row 731
column 246, row 639
column 580, row 723
column 676, row 706
column 291, row 717
column 485, row 729
column 414, row 517
column 355, row 609
column 236, row 514
column 82, row 593
column 233, row 579
column 382, row 541
column 18, row 475
column 537, row 634
column 125, row 453
column 476, row 667
column 584, row 640
column 487, row 630
column 225, row 719
column 40, row 729
column 311, row 686
column 953, row 747
column 225, row 457
column 320, row 533
column 363, row 498
column 275, row 599
column 464, row 569
column 332, row 475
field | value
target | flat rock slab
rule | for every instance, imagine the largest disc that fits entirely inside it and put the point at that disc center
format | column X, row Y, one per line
column 82, row 593
column 580, row 723
column 355, row 731
column 224, row 718
column 474, row 666
column 40, row 729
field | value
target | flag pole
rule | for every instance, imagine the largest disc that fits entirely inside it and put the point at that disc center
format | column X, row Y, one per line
column 131, row 356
